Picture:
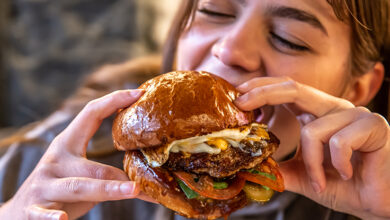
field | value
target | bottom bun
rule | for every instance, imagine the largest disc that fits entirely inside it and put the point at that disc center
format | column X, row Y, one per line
column 159, row 184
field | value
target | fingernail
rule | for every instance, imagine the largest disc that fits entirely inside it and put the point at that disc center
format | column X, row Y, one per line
column 127, row 188
column 57, row 215
column 241, row 100
column 344, row 176
column 136, row 92
column 242, row 87
column 316, row 187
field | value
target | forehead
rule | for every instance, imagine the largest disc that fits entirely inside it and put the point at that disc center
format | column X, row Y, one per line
column 319, row 7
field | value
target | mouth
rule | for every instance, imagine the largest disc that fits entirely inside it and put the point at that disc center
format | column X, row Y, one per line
column 263, row 114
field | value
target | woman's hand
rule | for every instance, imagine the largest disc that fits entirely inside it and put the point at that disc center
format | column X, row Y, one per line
column 65, row 184
column 343, row 160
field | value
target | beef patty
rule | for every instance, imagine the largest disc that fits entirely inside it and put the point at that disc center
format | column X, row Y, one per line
column 226, row 163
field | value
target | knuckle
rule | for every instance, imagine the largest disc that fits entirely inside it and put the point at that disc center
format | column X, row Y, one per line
column 45, row 169
column 107, row 188
column 293, row 84
column 362, row 109
column 100, row 173
column 336, row 142
column 308, row 132
column 91, row 106
column 35, row 188
column 73, row 186
column 57, row 142
column 53, row 157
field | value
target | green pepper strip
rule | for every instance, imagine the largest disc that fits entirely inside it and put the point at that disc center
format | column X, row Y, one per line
column 191, row 194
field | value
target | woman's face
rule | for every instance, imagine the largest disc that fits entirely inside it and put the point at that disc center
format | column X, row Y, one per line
column 242, row 39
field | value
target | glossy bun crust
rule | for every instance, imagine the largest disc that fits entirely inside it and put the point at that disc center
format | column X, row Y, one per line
column 160, row 185
column 178, row 105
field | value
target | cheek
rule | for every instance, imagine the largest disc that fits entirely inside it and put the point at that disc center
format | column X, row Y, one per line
column 189, row 53
column 194, row 47
column 183, row 54
column 328, row 75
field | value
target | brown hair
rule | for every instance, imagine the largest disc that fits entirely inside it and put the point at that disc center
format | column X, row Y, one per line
column 370, row 39
column 184, row 14
column 370, row 24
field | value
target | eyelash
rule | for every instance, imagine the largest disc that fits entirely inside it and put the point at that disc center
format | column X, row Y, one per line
column 287, row 43
column 214, row 13
column 275, row 37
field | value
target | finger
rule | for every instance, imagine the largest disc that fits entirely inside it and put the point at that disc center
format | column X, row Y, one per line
column 306, row 98
column 260, row 81
column 316, row 134
column 305, row 119
column 312, row 153
column 77, row 189
column 367, row 134
column 96, row 170
column 295, row 179
column 147, row 198
column 82, row 167
column 35, row 212
column 78, row 209
column 84, row 126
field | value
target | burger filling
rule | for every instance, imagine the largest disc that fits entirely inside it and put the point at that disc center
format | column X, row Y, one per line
column 222, row 164
column 249, row 139
column 258, row 183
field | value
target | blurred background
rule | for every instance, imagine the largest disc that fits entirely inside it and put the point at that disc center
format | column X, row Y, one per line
column 47, row 47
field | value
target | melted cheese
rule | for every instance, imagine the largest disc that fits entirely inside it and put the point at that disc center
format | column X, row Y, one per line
column 218, row 143
column 212, row 143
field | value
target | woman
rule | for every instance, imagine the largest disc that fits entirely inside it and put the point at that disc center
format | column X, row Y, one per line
column 304, row 65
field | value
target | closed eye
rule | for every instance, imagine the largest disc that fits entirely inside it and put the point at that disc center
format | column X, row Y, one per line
column 280, row 41
column 214, row 13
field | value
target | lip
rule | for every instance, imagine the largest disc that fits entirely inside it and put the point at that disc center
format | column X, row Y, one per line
column 264, row 114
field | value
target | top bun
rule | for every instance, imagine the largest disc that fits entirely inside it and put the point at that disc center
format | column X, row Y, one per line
column 178, row 105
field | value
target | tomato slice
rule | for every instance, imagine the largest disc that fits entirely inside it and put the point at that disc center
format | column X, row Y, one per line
column 268, row 167
column 205, row 187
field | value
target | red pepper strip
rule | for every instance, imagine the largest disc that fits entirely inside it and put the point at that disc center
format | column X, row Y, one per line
column 205, row 186
column 272, row 168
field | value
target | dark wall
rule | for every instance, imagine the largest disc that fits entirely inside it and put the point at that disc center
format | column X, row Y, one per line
column 3, row 77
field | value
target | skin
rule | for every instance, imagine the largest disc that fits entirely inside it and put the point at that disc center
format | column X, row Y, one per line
column 308, row 98
column 306, row 92
column 64, row 184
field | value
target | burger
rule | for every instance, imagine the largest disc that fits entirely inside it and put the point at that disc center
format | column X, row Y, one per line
column 199, row 154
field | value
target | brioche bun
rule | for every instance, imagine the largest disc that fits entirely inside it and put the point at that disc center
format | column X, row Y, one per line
column 189, row 105
column 178, row 105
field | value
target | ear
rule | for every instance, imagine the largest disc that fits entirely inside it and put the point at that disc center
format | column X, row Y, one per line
column 364, row 87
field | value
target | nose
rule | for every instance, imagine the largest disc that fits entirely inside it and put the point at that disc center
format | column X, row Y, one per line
column 240, row 47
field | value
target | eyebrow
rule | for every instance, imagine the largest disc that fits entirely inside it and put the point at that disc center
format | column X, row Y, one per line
column 297, row 14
